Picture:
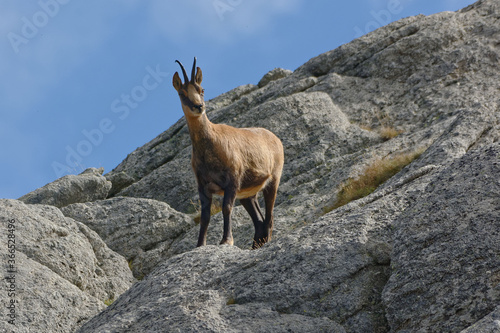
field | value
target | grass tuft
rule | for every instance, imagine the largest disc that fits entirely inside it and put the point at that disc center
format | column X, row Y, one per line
column 388, row 133
column 130, row 261
column 231, row 301
column 374, row 175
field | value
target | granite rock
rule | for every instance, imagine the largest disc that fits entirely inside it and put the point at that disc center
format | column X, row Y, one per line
column 90, row 185
column 141, row 230
column 63, row 268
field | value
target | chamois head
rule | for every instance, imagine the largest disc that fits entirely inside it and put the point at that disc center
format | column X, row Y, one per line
column 191, row 92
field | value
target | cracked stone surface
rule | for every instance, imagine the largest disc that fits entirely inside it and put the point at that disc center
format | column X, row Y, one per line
column 141, row 230
column 445, row 257
column 90, row 185
column 64, row 269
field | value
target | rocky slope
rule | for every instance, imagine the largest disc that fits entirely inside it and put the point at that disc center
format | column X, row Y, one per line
column 421, row 253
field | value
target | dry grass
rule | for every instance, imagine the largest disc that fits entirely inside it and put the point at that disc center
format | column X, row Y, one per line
column 231, row 301
column 387, row 132
column 374, row 175
column 385, row 127
column 214, row 209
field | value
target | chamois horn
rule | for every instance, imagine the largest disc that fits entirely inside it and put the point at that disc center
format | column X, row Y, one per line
column 186, row 80
column 193, row 70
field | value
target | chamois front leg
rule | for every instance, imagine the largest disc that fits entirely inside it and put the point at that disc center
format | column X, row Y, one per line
column 206, row 204
column 227, row 207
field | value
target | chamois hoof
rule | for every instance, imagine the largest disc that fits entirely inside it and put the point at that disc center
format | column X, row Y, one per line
column 226, row 242
column 258, row 243
column 261, row 237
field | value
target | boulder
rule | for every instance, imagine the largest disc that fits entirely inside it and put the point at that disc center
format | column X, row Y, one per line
column 141, row 230
column 445, row 263
column 490, row 323
column 44, row 301
column 275, row 74
column 57, row 255
column 90, row 185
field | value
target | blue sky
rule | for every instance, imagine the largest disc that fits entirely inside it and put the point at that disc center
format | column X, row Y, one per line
column 84, row 83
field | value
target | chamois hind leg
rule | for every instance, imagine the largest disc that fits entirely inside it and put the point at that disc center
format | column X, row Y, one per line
column 206, row 203
column 227, row 207
column 252, row 207
column 270, row 192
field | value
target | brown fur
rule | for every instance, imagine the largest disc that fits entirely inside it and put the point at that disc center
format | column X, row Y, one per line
column 230, row 162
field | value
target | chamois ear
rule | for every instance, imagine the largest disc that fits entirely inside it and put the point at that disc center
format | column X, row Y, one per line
column 199, row 75
column 176, row 82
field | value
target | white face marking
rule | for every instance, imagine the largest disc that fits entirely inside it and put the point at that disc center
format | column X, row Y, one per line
column 194, row 99
column 194, row 96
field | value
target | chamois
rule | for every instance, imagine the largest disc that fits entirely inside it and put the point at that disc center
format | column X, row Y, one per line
column 235, row 163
